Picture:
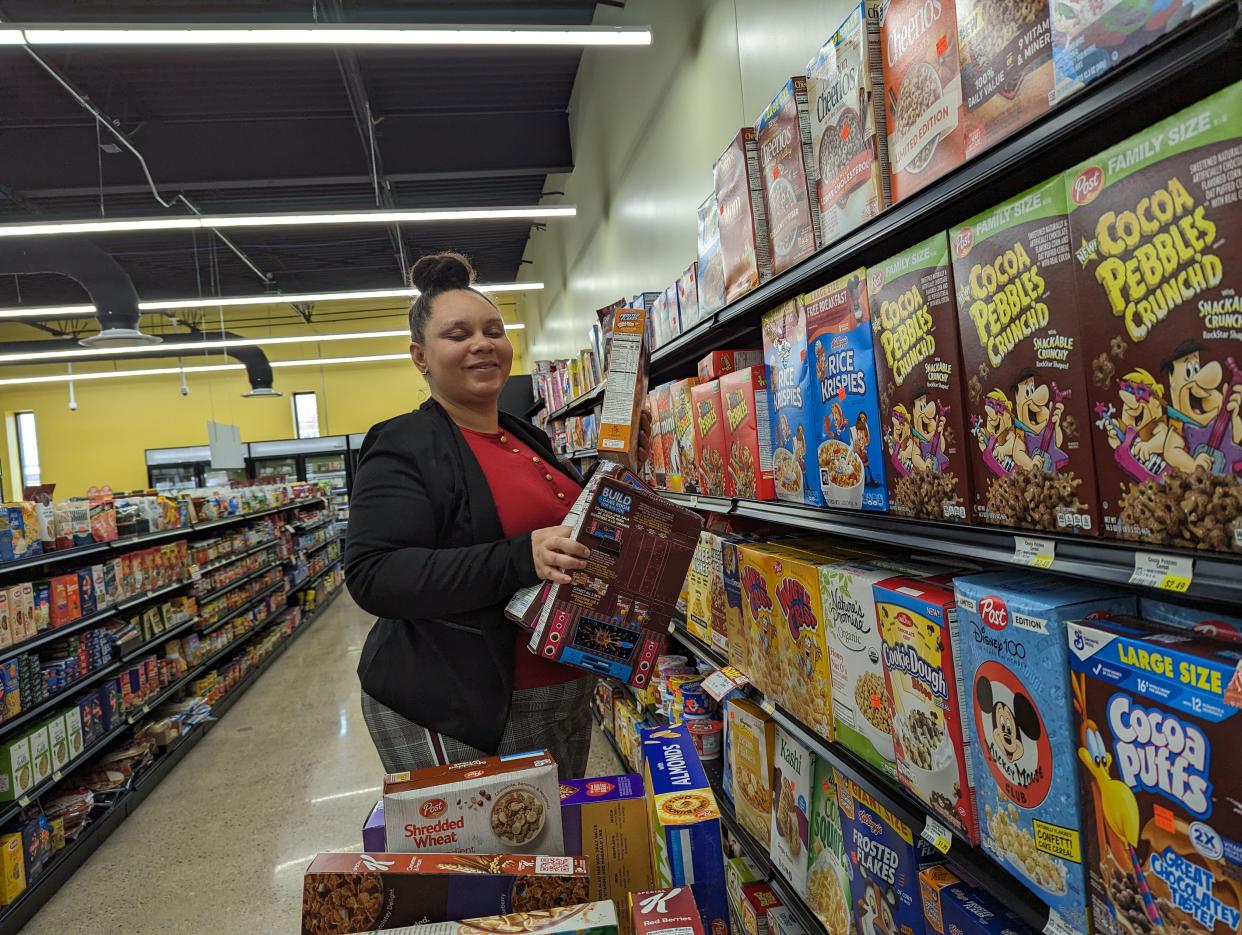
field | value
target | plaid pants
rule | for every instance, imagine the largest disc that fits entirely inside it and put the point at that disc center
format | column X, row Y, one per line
column 555, row 717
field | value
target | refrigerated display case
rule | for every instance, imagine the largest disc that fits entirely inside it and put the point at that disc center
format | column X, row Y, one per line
column 173, row 469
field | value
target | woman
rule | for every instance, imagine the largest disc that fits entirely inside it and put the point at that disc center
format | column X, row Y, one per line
column 454, row 507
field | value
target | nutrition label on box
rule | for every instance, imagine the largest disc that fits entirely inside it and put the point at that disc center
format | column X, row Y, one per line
column 622, row 374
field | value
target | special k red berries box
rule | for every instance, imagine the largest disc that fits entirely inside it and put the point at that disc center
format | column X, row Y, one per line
column 665, row 912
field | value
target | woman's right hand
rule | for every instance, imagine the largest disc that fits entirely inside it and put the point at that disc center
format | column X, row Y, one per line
column 555, row 553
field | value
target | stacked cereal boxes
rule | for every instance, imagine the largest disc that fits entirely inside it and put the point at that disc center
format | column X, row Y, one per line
column 789, row 172
column 748, row 413
column 743, row 226
column 794, row 458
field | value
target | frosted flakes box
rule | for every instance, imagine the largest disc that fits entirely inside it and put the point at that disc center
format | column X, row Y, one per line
column 785, row 353
column 683, row 433
column 1155, row 221
column 789, row 172
column 711, row 438
column 791, row 813
column 918, row 364
column 849, row 455
column 711, row 276
column 1015, row 667
column 1025, row 366
column 830, row 870
column 743, row 222
column 1154, row 723
column 747, row 409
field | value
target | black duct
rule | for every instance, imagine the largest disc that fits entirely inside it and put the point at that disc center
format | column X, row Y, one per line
column 108, row 285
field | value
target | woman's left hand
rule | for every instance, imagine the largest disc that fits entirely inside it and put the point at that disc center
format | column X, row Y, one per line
column 644, row 437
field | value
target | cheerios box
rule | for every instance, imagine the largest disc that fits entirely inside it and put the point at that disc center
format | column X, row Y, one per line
column 1015, row 672
column 752, row 748
column 791, row 822
column 685, row 822
column 748, row 417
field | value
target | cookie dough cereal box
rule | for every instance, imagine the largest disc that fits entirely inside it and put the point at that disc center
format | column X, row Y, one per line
column 849, row 453
column 791, row 816
column 711, row 437
column 789, row 171
column 683, row 433
column 598, row 918
column 748, row 415
column 711, row 274
column 918, row 623
column 830, row 871
column 1155, row 721
column 1015, row 667
column 923, row 93
column 1025, row 366
column 505, row 804
column 919, row 373
column 743, row 223
column 794, row 466
column 752, row 743
column 685, row 822
column 626, row 388
column 1155, row 222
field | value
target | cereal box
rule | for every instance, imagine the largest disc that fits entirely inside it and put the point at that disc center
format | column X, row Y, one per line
column 849, row 140
column 361, row 892
column 849, row 454
column 1154, row 720
column 919, row 372
column 598, row 918
column 12, row 868
column 711, row 438
column 505, row 804
column 738, row 872
column 666, row 912
column 781, row 921
column 752, row 742
column 685, row 822
column 830, row 870
column 794, row 466
column 950, row 907
column 1154, row 221
column 789, row 171
column 748, row 415
column 790, row 830
column 797, row 673
column 1025, row 366
column 688, row 297
column 626, row 388
column 683, row 433
column 718, row 363
column 757, row 900
column 918, row 626
column 665, row 433
column 716, row 591
column 923, row 83
column 743, row 223
column 1210, row 622
column 711, row 277
column 16, row 774
column 887, row 859
column 738, row 644
column 699, row 594
column 757, row 589
column 1015, row 666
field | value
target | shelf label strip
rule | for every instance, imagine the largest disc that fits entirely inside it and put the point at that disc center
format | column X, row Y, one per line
column 1033, row 552
column 1165, row 572
column 937, row 835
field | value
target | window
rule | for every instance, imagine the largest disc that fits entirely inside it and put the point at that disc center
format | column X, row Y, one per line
column 28, row 449
column 305, row 415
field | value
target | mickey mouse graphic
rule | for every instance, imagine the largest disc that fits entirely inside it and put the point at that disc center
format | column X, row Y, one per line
column 1015, row 727
column 875, row 911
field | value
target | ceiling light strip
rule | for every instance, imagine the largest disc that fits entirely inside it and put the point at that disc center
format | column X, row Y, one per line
column 209, row 368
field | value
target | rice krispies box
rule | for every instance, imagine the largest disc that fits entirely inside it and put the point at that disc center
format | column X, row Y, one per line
column 1015, row 667
column 1025, row 366
column 788, row 169
column 743, row 222
column 1157, row 223
column 711, row 438
column 711, row 277
column 923, row 93
column 1156, row 748
column 683, row 433
column 849, row 455
column 794, row 466
column 918, row 365
column 748, row 417
column 918, row 625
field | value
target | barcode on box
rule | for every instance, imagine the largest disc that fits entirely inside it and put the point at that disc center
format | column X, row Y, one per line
column 557, row 865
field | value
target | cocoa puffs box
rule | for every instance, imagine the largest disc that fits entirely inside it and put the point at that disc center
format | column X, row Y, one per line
column 345, row 893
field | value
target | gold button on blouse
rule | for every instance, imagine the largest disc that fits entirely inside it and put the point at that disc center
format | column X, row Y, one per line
column 535, row 458
column 503, row 438
column 547, row 477
column 517, row 451
column 560, row 495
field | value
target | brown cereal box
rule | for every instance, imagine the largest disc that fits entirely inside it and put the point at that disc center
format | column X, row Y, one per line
column 787, row 165
column 683, row 431
column 923, row 93
column 598, row 918
column 711, row 438
column 743, row 223
column 747, row 412
column 1024, row 366
column 1156, row 221
column 919, row 372
column 626, row 388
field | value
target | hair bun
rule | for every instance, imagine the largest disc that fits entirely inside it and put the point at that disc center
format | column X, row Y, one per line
column 440, row 272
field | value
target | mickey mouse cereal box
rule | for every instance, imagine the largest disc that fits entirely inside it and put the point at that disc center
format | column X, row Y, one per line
column 794, row 457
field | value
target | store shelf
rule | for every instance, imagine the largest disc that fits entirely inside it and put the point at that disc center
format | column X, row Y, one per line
column 211, row 596
column 306, row 583
column 583, row 453
column 217, row 624
column 15, row 808
column 171, row 633
column 54, row 633
column 230, row 559
column 326, row 542
column 240, row 641
column 151, row 595
column 311, row 526
column 43, row 707
column 534, row 409
column 53, row 558
column 583, row 404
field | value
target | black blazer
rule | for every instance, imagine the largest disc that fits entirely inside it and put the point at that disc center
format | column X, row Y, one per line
column 425, row 552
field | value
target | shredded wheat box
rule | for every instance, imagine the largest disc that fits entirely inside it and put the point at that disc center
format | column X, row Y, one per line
column 743, row 223
column 711, row 275
column 789, row 171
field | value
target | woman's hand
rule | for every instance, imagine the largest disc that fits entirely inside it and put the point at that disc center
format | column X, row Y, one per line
column 644, row 437
column 555, row 553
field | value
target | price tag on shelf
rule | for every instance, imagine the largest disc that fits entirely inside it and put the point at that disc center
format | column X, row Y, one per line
column 1057, row 926
column 1033, row 552
column 24, row 801
column 57, row 775
column 739, row 677
column 768, row 706
column 1166, row 572
column 724, row 681
column 694, row 501
column 937, row 835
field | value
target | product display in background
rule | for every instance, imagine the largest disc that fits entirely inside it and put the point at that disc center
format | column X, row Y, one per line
column 718, row 363
column 790, row 175
column 711, row 273
column 743, row 222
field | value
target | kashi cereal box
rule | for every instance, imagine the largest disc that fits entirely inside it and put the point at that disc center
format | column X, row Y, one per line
column 1154, row 724
column 791, row 814
column 788, row 168
column 711, row 438
column 923, row 93
column 666, row 431
column 919, row 373
column 794, row 466
column 918, row 625
column 849, row 140
column 1015, row 668
column 1025, row 366
column 830, row 871
column 1154, row 222
column 683, row 432
column 711, row 277
column 849, row 455
column 748, row 414
column 743, row 225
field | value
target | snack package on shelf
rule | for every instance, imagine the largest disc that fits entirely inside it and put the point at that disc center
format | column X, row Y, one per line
column 711, row 274
column 12, row 868
column 748, row 413
column 795, row 428
column 666, row 912
column 830, row 869
column 743, row 223
column 626, row 388
column 951, row 907
column 752, row 745
column 596, row 918
column 791, row 814
column 789, row 171
column 711, row 438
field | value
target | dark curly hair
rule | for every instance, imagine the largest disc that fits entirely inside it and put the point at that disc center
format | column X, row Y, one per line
column 431, row 276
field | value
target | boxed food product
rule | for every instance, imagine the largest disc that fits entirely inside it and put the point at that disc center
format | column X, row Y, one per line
column 16, row 773
column 737, row 643
column 666, row 912
column 758, row 643
column 797, row 673
column 738, row 872
column 830, row 870
column 344, row 893
column 711, row 274
column 1154, row 719
column 849, row 139
column 10, row 690
column 748, row 413
column 1026, row 387
column 920, row 378
column 711, row 437
column 699, row 593
column 887, row 858
column 6, row 623
column 40, row 755
column 718, row 363
column 791, row 816
column 1014, row 663
column 752, row 744
column 373, row 836
column 598, row 918
column 688, row 296
column 506, row 804
column 781, row 921
column 626, row 388
column 918, row 623
column 789, row 171
column 794, row 424
column 12, row 868
column 664, row 427
column 950, row 907
column 685, row 822
column 42, row 605
column 73, row 731
column 849, row 453
column 683, row 432
column 743, row 222
column 57, row 741
column 1154, row 219
column 923, row 79
column 757, row 899
column 1209, row 622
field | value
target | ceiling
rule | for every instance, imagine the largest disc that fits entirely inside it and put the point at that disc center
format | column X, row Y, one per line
column 254, row 130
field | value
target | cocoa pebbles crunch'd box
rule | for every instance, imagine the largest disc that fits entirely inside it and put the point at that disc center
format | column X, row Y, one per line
column 1156, row 223
column 919, row 370
column 1025, row 366
column 743, row 224
column 789, row 173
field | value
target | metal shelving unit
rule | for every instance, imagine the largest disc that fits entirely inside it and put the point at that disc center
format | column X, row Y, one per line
column 212, row 595
column 583, row 404
column 217, row 624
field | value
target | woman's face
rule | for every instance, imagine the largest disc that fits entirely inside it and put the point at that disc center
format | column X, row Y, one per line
column 466, row 353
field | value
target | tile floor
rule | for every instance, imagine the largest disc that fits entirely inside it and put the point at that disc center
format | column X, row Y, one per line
column 221, row 843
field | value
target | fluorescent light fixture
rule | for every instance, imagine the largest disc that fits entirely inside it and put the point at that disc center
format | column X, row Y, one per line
column 226, row 221
column 124, row 34
column 206, row 368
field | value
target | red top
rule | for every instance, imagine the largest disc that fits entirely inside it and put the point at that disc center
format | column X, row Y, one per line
column 529, row 495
